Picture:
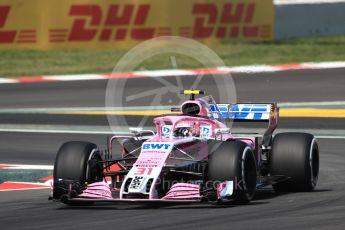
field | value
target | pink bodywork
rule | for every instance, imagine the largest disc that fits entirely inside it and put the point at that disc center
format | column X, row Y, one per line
column 196, row 122
column 183, row 191
column 97, row 190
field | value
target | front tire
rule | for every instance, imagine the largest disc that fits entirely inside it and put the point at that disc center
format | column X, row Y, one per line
column 234, row 161
column 76, row 162
column 295, row 155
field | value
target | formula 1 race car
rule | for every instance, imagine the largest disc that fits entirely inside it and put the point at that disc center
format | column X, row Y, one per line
column 191, row 157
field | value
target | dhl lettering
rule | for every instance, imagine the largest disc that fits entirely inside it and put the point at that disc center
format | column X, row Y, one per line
column 116, row 23
column 115, row 17
column 233, row 20
column 6, row 36
column 122, row 23
column 79, row 31
column 210, row 11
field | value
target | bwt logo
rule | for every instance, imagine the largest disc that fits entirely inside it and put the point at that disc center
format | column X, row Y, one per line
column 156, row 146
column 240, row 111
column 205, row 130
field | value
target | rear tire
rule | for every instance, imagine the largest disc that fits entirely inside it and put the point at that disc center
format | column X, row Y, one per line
column 234, row 161
column 295, row 155
column 76, row 162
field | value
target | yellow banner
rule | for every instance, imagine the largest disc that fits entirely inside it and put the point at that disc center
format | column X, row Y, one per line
column 104, row 24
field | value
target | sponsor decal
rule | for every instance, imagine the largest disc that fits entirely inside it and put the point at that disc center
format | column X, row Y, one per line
column 122, row 23
column 205, row 131
column 241, row 111
column 166, row 130
column 156, row 146
column 142, row 171
column 144, row 162
column 136, row 182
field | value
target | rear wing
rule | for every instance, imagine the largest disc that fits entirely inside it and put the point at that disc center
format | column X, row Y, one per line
column 266, row 112
column 244, row 112
column 249, row 112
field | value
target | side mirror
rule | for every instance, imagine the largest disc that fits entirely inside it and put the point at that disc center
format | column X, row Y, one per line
column 222, row 131
column 135, row 130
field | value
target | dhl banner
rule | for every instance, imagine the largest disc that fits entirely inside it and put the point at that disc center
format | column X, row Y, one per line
column 104, row 24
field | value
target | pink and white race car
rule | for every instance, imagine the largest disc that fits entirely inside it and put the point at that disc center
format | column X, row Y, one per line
column 191, row 157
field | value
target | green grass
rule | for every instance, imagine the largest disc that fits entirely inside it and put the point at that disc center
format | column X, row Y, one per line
column 30, row 63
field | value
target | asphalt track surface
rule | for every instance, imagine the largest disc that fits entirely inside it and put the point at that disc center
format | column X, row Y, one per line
column 321, row 209
column 286, row 86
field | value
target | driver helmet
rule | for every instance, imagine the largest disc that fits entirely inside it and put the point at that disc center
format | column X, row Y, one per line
column 183, row 131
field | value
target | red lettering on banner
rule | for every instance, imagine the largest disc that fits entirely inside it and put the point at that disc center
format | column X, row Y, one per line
column 233, row 20
column 221, row 32
column 140, row 19
column 105, row 34
column 79, row 32
column 250, row 13
column 4, row 10
column 120, row 34
column 113, row 17
column 6, row 36
column 142, row 13
column 210, row 16
column 142, row 33
column 250, row 31
column 118, row 19
column 58, row 35
column 232, row 16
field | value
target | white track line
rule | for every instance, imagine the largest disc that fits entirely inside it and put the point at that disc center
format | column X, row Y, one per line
column 28, row 167
column 179, row 72
column 163, row 73
column 7, row 80
column 74, row 77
